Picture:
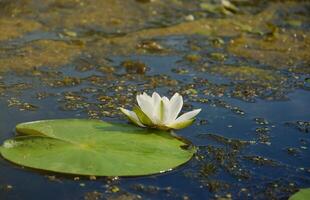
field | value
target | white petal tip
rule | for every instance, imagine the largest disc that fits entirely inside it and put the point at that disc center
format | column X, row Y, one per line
column 198, row 110
column 181, row 125
column 132, row 116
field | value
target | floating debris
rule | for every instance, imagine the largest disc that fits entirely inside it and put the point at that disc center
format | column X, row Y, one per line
column 66, row 81
column 233, row 143
column 150, row 46
column 94, row 195
column 261, row 121
column 259, row 160
column 134, row 67
column 22, row 106
column 292, row 151
column 302, row 126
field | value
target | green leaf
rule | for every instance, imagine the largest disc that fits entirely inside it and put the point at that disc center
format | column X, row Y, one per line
column 144, row 119
column 302, row 194
column 93, row 147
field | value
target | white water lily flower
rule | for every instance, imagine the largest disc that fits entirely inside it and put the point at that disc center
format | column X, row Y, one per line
column 160, row 112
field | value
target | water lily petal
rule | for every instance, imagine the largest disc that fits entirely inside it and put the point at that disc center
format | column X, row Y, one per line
column 146, row 104
column 182, row 124
column 147, row 97
column 156, row 108
column 187, row 116
column 165, row 115
column 143, row 118
column 176, row 104
column 132, row 116
column 156, row 98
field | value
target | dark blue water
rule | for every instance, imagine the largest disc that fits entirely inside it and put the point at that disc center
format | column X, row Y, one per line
column 237, row 175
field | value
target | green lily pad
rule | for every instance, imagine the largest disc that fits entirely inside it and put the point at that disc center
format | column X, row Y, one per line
column 302, row 194
column 93, row 147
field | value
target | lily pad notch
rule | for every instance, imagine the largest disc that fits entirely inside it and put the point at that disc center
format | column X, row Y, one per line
column 93, row 147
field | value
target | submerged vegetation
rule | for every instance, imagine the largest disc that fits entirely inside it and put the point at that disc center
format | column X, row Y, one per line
column 245, row 63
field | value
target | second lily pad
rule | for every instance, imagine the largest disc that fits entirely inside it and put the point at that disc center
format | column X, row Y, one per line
column 302, row 194
column 92, row 147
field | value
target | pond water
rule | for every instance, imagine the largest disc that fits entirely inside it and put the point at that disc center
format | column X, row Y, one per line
column 245, row 63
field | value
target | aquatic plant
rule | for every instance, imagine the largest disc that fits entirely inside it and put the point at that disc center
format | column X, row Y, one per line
column 160, row 112
column 95, row 148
